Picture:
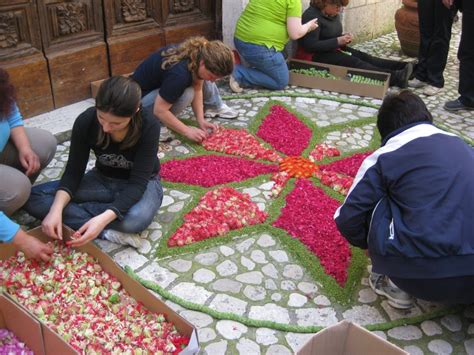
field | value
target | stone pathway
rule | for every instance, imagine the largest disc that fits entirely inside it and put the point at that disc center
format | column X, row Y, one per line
column 255, row 276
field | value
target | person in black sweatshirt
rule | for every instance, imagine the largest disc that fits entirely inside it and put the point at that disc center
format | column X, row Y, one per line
column 119, row 197
column 328, row 44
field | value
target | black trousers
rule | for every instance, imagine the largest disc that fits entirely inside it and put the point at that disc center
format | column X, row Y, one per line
column 466, row 55
column 360, row 60
column 435, row 33
column 452, row 290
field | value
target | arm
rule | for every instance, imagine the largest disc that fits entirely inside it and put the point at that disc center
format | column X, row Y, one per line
column 10, row 232
column 162, row 108
column 351, row 218
column 198, row 108
column 297, row 30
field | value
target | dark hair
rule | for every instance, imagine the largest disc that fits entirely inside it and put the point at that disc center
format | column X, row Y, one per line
column 320, row 4
column 217, row 57
column 399, row 110
column 121, row 97
column 7, row 94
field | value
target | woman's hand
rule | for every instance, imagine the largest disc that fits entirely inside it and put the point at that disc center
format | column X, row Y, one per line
column 207, row 126
column 29, row 160
column 91, row 229
column 32, row 247
column 344, row 40
column 52, row 225
column 195, row 134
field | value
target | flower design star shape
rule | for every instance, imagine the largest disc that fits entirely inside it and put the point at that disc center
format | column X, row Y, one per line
column 309, row 179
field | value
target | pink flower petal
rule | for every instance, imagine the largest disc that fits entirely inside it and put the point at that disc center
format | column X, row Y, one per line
column 210, row 170
column 284, row 131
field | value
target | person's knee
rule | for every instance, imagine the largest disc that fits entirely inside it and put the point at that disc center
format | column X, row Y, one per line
column 15, row 195
column 43, row 143
column 136, row 222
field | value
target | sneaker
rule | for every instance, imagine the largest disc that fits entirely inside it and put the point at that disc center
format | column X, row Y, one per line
column 234, row 85
column 223, row 112
column 400, row 77
column 133, row 239
column 396, row 298
column 431, row 90
column 456, row 105
column 416, row 84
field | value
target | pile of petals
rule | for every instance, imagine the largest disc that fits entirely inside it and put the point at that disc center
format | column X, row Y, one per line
column 9, row 344
column 210, row 170
column 218, row 212
column 298, row 167
column 338, row 182
column 307, row 216
column 284, row 131
column 347, row 166
column 238, row 142
column 322, row 151
column 86, row 306
column 279, row 180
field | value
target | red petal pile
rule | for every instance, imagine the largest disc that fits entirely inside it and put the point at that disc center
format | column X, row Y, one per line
column 347, row 166
column 322, row 151
column 218, row 212
column 86, row 306
column 338, row 182
column 238, row 142
column 210, row 170
column 284, row 131
column 307, row 216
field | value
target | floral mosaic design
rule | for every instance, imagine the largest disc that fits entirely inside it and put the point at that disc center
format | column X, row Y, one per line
column 310, row 181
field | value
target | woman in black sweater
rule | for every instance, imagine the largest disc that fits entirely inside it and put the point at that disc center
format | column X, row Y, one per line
column 122, row 194
column 328, row 44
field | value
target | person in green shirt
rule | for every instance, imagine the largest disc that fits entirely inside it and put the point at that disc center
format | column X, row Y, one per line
column 262, row 32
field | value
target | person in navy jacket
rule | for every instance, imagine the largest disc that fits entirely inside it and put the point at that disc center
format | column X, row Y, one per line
column 411, row 205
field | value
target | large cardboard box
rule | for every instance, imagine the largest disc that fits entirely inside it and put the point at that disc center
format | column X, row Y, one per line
column 347, row 338
column 343, row 85
column 23, row 325
column 54, row 344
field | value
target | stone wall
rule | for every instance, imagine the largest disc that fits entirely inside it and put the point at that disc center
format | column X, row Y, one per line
column 365, row 19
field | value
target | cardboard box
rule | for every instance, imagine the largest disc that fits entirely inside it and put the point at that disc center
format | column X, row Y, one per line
column 23, row 325
column 343, row 85
column 54, row 344
column 95, row 85
column 347, row 338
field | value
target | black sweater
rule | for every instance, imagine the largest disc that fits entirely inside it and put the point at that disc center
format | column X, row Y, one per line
column 324, row 38
column 137, row 164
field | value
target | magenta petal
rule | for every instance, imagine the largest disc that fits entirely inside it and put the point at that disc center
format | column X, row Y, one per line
column 284, row 131
column 308, row 216
column 210, row 170
column 348, row 166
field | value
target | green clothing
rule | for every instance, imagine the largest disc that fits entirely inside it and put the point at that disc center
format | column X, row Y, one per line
column 263, row 22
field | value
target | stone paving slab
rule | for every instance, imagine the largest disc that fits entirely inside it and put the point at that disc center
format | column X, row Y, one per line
column 256, row 277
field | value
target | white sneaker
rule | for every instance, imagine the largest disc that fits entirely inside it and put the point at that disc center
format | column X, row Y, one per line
column 223, row 112
column 430, row 90
column 133, row 239
column 383, row 286
column 234, row 85
column 416, row 84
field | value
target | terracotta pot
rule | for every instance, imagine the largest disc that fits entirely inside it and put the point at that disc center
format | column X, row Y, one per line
column 406, row 23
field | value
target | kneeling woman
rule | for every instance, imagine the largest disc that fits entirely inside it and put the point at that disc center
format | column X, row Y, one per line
column 122, row 194
column 328, row 44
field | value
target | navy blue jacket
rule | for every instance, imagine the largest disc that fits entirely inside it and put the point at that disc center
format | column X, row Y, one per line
column 412, row 205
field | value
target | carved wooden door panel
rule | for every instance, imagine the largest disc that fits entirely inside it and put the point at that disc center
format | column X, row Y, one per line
column 21, row 55
column 136, row 28
column 73, row 43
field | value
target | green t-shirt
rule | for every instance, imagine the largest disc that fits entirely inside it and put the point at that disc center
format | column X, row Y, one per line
column 263, row 22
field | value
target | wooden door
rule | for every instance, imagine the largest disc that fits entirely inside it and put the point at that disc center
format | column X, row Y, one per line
column 53, row 49
column 136, row 28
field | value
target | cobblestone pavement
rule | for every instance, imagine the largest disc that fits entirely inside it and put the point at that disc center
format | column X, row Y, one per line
column 255, row 276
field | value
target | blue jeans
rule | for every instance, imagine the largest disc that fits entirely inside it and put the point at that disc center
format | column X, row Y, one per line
column 96, row 194
column 210, row 93
column 267, row 66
